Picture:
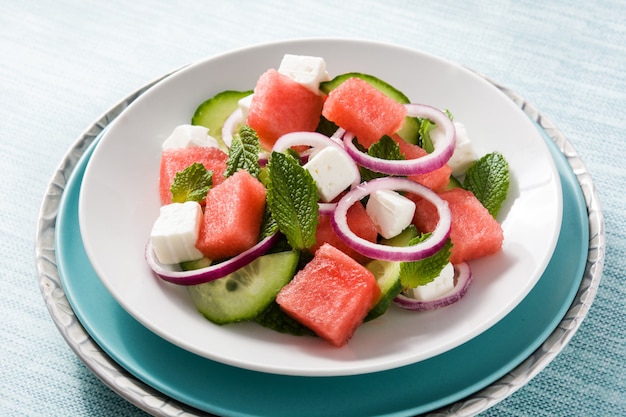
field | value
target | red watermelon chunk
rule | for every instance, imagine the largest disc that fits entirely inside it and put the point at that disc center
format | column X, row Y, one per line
column 474, row 232
column 436, row 180
column 175, row 160
column 232, row 217
column 331, row 295
column 358, row 221
column 365, row 111
column 281, row 105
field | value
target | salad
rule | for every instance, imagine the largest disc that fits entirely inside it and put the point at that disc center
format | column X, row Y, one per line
column 312, row 204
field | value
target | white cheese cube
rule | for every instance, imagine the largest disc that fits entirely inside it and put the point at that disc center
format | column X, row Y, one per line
column 306, row 70
column 390, row 212
column 175, row 232
column 189, row 136
column 244, row 106
column 437, row 288
column 463, row 154
column 333, row 171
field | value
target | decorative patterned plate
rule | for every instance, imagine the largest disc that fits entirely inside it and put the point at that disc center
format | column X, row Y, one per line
column 468, row 401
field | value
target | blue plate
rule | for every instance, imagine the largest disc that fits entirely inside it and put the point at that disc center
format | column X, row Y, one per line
column 221, row 389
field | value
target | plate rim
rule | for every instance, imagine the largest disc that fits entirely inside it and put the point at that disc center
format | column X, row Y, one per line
column 120, row 380
column 306, row 361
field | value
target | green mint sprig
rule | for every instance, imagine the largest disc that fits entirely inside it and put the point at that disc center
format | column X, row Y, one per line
column 292, row 198
column 384, row 148
column 426, row 126
column 488, row 178
column 191, row 184
column 413, row 274
column 244, row 153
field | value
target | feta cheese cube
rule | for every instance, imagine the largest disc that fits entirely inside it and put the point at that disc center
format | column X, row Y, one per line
column 390, row 212
column 189, row 136
column 175, row 232
column 244, row 106
column 306, row 70
column 463, row 154
column 333, row 171
column 437, row 288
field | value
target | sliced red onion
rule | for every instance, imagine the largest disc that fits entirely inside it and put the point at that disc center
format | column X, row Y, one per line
column 427, row 163
column 312, row 139
column 428, row 247
column 229, row 129
column 230, row 126
column 338, row 135
column 462, row 278
column 316, row 141
column 327, row 208
column 210, row 273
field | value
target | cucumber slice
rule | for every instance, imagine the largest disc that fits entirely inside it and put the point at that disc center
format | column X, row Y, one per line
column 454, row 183
column 197, row 264
column 410, row 129
column 403, row 238
column 243, row 294
column 387, row 274
column 213, row 112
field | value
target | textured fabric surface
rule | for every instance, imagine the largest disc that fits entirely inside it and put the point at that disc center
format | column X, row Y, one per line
column 64, row 63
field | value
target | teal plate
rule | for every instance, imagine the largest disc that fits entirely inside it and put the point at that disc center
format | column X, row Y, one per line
column 414, row 389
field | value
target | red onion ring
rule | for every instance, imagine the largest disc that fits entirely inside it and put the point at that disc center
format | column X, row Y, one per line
column 428, row 247
column 230, row 125
column 316, row 141
column 312, row 139
column 427, row 163
column 463, row 278
column 327, row 208
column 229, row 129
column 210, row 273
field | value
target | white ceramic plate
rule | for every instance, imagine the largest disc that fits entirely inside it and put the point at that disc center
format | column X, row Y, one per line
column 119, row 202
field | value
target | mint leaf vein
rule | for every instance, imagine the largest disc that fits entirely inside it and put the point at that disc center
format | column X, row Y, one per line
column 191, row 184
column 292, row 197
column 488, row 178
column 244, row 153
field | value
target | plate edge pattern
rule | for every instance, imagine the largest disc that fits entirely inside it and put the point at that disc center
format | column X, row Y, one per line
column 567, row 327
column 158, row 404
column 103, row 366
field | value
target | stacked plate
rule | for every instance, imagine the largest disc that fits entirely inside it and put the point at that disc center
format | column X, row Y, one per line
column 144, row 338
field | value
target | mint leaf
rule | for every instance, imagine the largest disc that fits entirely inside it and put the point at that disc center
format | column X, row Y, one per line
column 413, row 274
column 384, row 148
column 426, row 126
column 244, row 153
column 268, row 225
column 424, row 140
column 292, row 197
column 488, row 178
column 191, row 184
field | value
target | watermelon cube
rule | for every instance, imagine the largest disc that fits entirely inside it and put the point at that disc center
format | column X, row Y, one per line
column 174, row 160
column 281, row 105
column 358, row 221
column 232, row 217
column 474, row 232
column 331, row 295
column 365, row 111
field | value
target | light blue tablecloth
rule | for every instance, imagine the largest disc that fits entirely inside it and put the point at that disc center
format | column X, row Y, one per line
column 63, row 63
